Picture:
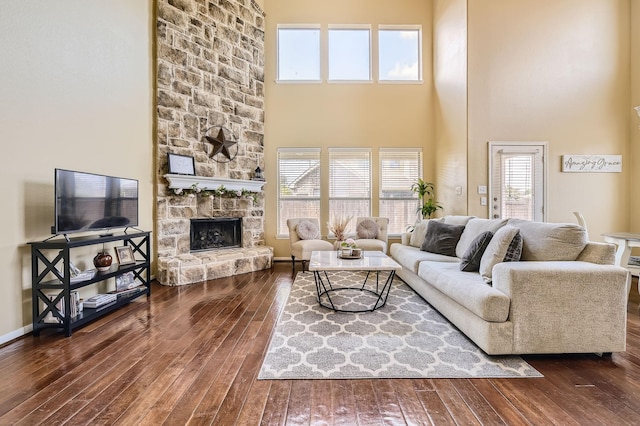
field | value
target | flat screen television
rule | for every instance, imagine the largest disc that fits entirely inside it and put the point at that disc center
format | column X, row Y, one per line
column 93, row 202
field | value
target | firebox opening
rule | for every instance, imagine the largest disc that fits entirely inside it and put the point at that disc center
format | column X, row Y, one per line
column 216, row 233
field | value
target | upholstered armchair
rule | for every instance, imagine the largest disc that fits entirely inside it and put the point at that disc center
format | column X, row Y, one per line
column 371, row 233
column 304, row 237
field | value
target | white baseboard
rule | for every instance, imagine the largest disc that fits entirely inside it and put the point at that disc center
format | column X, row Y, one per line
column 16, row 334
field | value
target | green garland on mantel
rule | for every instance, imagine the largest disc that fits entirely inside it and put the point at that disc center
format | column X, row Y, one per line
column 220, row 191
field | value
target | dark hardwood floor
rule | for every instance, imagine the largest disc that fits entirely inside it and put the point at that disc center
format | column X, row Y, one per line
column 191, row 354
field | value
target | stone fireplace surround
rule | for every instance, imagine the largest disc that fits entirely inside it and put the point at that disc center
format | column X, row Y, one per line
column 178, row 264
column 210, row 72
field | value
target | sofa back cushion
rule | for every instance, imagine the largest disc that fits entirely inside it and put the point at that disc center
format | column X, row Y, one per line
column 542, row 241
column 475, row 227
column 454, row 219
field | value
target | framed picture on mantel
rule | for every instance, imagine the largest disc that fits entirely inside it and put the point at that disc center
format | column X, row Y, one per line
column 181, row 164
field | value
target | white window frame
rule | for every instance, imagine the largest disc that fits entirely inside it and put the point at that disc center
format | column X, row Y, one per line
column 536, row 148
column 418, row 28
column 413, row 197
column 366, row 27
column 299, row 27
column 283, row 232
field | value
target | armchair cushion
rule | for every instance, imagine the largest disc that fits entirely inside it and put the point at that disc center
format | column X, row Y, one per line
column 307, row 230
column 367, row 229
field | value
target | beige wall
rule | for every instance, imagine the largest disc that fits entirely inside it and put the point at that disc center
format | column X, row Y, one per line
column 450, row 98
column 76, row 85
column 555, row 71
column 344, row 115
column 634, row 128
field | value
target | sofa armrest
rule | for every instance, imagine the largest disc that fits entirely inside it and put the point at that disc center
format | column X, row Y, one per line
column 563, row 305
column 601, row 253
column 405, row 238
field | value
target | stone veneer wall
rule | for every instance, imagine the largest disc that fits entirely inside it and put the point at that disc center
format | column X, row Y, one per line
column 210, row 72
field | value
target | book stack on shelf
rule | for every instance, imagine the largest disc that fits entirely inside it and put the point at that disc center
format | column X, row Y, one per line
column 74, row 307
column 100, row 301
column 75, row 303
column 130, row 291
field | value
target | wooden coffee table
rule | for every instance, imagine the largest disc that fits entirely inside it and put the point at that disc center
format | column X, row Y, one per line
column 372, row 263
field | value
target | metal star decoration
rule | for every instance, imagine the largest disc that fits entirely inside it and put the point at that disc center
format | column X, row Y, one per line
column 221, row 145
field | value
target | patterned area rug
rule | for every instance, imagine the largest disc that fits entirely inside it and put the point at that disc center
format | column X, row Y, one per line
column 406, row 338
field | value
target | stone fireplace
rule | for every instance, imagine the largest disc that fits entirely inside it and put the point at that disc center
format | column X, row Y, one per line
column 210, row 74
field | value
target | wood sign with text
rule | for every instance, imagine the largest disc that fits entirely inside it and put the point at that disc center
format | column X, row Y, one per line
column 592, row 163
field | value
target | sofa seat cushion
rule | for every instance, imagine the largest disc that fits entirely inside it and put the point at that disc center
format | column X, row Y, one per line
column 467, row 289
column 542, row 241
column 410, row 257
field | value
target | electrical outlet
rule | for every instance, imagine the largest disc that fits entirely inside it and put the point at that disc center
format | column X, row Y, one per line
column 482, row 189
column 483, row 201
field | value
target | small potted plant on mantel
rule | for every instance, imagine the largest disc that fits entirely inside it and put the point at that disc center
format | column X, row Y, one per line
column 428, row 205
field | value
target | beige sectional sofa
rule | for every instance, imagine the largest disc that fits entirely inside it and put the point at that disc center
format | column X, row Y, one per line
column 564, row 295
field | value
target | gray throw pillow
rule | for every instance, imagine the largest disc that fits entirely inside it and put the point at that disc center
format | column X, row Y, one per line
column 473, row 255
column 442, row 238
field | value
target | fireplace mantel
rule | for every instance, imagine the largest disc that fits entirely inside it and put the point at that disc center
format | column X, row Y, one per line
column 212, row 183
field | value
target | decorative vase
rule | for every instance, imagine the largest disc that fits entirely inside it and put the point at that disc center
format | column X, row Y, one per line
column 102, row 261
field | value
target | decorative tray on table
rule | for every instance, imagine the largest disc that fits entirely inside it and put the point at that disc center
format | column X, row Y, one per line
column 348, row 255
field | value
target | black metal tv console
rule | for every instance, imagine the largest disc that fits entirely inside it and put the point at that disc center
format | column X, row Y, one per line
column 51, row 298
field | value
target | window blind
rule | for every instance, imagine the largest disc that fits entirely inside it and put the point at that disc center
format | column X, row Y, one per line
column 298, row 185
column 350, row 183
column 399, row 169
